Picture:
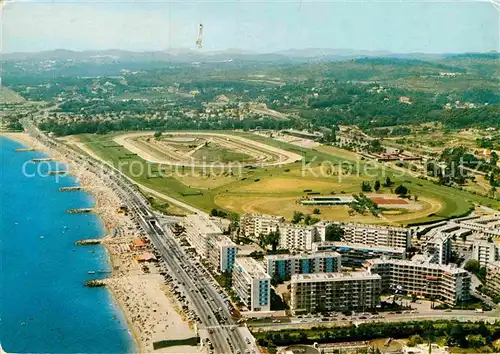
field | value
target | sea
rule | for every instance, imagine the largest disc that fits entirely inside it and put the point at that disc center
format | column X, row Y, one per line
column 44, row 305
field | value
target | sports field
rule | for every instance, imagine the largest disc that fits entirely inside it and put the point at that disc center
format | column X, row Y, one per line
column 276, row 189
column 201, row 148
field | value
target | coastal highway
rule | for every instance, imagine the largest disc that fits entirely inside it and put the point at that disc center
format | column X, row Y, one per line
column 165, row 197
column 203, row 297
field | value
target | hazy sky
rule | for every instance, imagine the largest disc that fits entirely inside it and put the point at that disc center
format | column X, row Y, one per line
column 261, row 26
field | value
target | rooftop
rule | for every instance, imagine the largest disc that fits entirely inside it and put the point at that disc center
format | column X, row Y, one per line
column 326, row 277
column 297, row 226
column 203, row 224
column 414, row 263
column 139, row 242
column 359, row 246
column 301, row 255
column 263, row 216
column 225, row 241
column 378, row 227
column 251, row 267
column 145, row 257
column 332, row 198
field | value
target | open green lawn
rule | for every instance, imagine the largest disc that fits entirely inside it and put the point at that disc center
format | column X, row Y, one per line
column 214, row 153
column 147, row 173
column 277, row 187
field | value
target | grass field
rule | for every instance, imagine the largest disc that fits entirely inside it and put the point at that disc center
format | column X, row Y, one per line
column 276, row 189
column 9, row 96
column 202, row 148
column 217, row 153
column 286, row 206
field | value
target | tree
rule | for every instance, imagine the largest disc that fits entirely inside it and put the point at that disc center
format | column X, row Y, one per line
column 272, row 239
column 481, row 274
column 475, row 341
column 376, row 186
column 388, row 182
column 297, row 217
column 457, row 335
column 334, row 135
column 214, row 212
column 493, row 191
column 275, row 279
column 334, row 232
column 271, row 348
column 492, row 179
column 414, row 340
column 227, row 280
column 472, row 266
column 309, row 220
column 316, row 211
column 366, row 187
column 401, row 190
column 374, row 146
column 157, row 135
column 493, row 158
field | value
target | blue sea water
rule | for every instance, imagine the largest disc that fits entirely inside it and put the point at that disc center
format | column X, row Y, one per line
column 44, row 306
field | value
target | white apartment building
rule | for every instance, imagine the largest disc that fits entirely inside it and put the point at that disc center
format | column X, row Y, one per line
column 485, row 252
column 323, row 292
column 493, row 278
column 222, row 253
column 439, row 248
column 355, row 254
column 460, row 233
column 373, row 235
column 447, row 283
column 252, row 284
column 297, row 237
column 199, row 231
column 300, row 237
column 450, row 235
column 286, row 265
column 488, row 225
column 253, row 225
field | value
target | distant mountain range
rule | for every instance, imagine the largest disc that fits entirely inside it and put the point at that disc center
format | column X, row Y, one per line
column 186, row 55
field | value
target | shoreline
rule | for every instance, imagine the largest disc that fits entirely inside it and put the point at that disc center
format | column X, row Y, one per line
column 137, row 294
column 29, row 142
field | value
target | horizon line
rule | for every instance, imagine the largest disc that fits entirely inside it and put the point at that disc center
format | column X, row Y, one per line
column 244, row 51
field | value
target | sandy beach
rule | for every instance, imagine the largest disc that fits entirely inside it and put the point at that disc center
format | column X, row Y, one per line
column 138, row 289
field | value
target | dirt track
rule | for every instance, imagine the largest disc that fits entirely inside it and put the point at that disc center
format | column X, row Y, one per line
column 254, row 148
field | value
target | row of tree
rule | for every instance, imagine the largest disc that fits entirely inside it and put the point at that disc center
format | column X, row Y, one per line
column 459, row 334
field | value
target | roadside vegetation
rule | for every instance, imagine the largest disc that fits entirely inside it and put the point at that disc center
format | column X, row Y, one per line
column 454, row 334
